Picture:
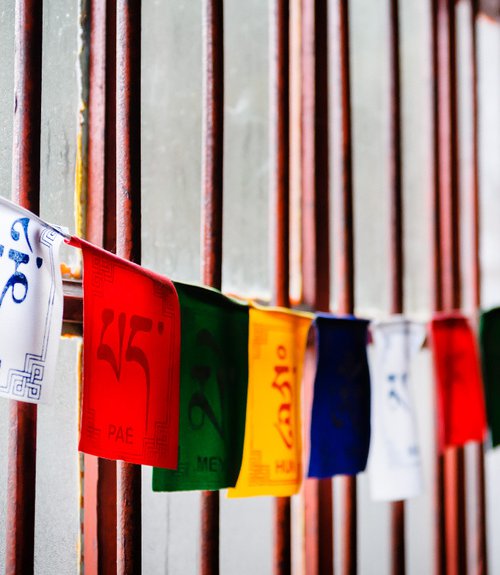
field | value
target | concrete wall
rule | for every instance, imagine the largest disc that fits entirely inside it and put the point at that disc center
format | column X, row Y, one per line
column 171, row 120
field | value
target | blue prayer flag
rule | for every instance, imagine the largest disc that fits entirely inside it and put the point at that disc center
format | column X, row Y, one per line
column 340, row 422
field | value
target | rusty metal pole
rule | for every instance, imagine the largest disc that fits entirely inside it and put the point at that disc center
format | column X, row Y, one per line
column 482, row 552
column 128, row 243
column 447, row 158
column 396, row 260
column 437, row 291
column 100, row 474
column 280, row 194
column 212, row 197
column 318, row 500
column 344, row 252
column 26, row 192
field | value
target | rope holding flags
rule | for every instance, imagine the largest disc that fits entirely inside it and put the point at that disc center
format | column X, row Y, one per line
column 207, row 389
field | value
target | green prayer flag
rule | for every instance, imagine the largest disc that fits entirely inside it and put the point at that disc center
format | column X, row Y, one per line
column 213, row 391
column 489, row 339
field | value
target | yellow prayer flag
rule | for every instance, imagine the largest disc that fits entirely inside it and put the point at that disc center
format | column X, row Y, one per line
column 272, row 452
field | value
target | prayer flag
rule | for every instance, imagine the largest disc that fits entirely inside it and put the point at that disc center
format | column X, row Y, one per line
column 460, row 400
column 394, row 461
column 340, row 421
column 489, row 337
column 31, row 304
column 272, row 456
column 131, row 327
column 214, row 376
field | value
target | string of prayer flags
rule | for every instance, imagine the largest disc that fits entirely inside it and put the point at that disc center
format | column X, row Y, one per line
column 272, row 463
column 394, row 461
column 31, row 304
column 214, row 378
column 460, row 401
column 131, row 326
column 340, row 420
column 489, row 338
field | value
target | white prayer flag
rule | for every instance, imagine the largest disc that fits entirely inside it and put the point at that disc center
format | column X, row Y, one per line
column 394, row 462
column 31, row 304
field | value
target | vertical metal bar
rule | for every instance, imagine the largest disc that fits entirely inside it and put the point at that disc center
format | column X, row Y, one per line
column 280, row 190
column 318, row 500
column 437, row 300
column 212, row 198
column 100, row 474
column 476, row 269
column 395, row 165
column 128, row 243
column 448, row 155
column 97, row 122
column 344, row 240
column 315, row 255
column 482, row 552
column 26, row 192
column 396, row 260
column 101, row 208
column 453, row 461
column 344, row 257
column 482, row 543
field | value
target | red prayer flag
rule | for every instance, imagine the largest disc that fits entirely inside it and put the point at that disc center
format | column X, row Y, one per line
column 131, row 361
column 460, row 400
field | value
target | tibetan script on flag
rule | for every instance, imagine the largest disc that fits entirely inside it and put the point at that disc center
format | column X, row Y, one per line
column 460, row 399
column 489, row 337
column 214, row 376
column 340, row 421
column 131, row 326
column 394, row 462
column 31, row 304
column 272, row 456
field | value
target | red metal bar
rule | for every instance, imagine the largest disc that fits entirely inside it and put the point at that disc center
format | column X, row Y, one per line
column 97, row 122
column 318, row 501
column 128, row 243
column 396, row 260
column 448, row 154
column 315, row 255
column 343, row 199
column 482, row 553
column 437, row 300
column 344, row 252
column 101, row 203
column 280, row 190
column 100, row 474
column 25, row 191
column 447, row 158
column 212, row 196
column 398, row 551
column 482, row 542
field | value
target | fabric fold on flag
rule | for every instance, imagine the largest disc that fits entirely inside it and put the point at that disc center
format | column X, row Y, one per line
column 394, row 463
column 340, row 419
column 31, row 304
column 489, row 338
column 272, row 455
column 214, row 376
column 131, row 354
column 461, row 415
